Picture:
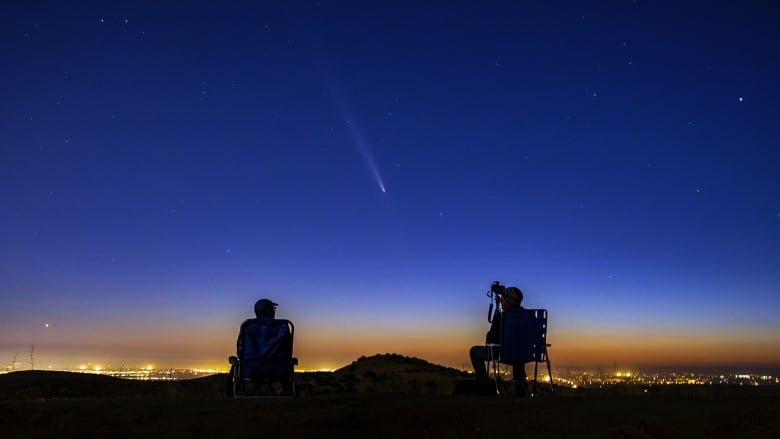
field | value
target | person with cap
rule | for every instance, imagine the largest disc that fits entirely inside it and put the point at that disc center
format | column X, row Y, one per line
column 510, row 298
column 265, row 308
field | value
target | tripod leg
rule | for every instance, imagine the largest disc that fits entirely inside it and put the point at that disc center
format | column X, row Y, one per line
column 493, row 363
column 549, row 371
column 536, row 367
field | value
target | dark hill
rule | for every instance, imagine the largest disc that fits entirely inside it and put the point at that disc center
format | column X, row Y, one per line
column 388, row 373
column 389, row 363
column 381, row 373
column 377, row 374
column 37, row 384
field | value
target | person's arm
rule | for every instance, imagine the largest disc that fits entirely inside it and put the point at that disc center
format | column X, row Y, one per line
column 494, row 333
column 239, row 340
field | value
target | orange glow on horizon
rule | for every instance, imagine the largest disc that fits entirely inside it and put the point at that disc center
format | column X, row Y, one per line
column 338, row 347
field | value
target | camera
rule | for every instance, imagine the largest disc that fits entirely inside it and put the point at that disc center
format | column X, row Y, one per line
column 496, row 290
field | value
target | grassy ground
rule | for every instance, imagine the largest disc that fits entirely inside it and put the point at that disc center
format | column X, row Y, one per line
column 395, row 416
column 383, row 402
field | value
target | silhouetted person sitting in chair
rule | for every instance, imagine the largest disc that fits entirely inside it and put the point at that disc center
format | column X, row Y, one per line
column 263, row 353
column 508, row 298
column 264, row 309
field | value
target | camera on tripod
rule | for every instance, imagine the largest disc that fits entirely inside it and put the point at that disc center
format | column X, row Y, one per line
column 496, row 288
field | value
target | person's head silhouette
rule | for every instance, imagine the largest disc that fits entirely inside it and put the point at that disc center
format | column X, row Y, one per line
column 265, row 308
column 511, row 298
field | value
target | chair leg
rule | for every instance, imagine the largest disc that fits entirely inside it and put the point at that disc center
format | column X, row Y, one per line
column 238, row 385
column 496, row 381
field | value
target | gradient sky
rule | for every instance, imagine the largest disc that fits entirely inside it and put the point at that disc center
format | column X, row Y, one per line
column 374, row 166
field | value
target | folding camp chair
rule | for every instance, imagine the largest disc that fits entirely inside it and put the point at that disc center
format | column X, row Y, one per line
column 523, row 340
column 264, row 365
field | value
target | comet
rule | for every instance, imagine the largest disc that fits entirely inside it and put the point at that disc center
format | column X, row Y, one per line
column 368, row 157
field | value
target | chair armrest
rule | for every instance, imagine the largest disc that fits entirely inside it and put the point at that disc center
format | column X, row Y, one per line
column 233, row 360
column 294, row 361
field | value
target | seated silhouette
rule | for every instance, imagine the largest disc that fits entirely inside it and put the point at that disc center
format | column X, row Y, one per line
column 264, row 364
column 524, row 340
column 506, row 298
column 517, row 336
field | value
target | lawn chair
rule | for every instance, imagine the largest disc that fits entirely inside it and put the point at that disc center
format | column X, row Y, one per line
column 264, row 365
column 523, row 340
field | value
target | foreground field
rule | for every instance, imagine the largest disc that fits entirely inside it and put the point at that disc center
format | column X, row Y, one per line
column 394, row 416
column 394, row 398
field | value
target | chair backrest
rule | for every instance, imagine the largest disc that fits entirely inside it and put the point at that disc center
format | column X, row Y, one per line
column 523, row 336
column 265, row 348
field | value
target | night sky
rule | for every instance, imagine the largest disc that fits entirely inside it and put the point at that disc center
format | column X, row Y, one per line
column 374, row 166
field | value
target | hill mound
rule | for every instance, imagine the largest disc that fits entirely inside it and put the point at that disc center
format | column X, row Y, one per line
column 389, row 363
column 380, row 373
column 388, row 373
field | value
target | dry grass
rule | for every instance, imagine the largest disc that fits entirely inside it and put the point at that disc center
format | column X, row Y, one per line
column 51, row 404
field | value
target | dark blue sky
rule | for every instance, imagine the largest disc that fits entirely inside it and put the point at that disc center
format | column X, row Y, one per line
column 373, row 166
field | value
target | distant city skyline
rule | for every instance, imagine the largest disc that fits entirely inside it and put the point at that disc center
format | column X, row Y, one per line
column 567, row 377
column 96, row 365
column 374, row 166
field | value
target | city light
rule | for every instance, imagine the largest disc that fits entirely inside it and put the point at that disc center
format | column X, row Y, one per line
column 574, row 378
column 597, row 379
